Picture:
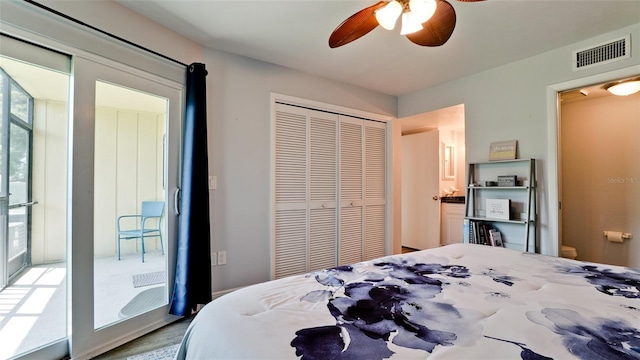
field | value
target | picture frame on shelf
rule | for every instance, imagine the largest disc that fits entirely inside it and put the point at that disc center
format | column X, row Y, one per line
column 503, row 150
column 498, row 209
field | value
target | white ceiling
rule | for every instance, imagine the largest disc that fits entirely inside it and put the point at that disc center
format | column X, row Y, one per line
column 295, row 34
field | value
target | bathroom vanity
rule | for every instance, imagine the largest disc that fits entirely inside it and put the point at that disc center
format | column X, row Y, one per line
column 451, row 219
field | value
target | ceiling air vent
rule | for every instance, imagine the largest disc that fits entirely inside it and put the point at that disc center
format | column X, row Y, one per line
column 604, row 53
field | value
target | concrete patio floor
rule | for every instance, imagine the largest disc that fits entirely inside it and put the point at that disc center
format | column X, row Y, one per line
column 33, row 308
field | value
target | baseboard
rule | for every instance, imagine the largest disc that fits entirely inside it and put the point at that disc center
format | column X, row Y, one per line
column 127, row 337
column 217, row 294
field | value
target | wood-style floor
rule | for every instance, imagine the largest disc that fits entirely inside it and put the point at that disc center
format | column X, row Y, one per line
column 165, row 336
column 407, row 250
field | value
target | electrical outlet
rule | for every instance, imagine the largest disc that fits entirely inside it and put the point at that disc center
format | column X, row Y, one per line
column 222, row 257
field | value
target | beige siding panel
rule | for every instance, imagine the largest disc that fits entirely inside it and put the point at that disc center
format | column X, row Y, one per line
column 104, row 182
column 38, row 173
column 127, row 198
column 147, row 174
column 49, row 182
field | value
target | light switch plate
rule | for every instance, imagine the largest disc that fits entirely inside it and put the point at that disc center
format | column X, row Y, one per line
column 213, row 182
column 222, row 257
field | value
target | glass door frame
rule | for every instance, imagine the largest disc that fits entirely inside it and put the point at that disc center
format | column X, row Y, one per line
column 4, row 187
column 85, row 340
column 34, row 25
column 12, row 267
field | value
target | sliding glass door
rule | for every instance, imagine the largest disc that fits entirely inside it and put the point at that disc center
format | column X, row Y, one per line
column 33, row 177
column 124, row 161
column 80, row 185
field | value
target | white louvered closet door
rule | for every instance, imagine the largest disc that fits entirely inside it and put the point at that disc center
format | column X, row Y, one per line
column 351, row 190
column 290, row 192
column 306, row 190
column 375, row 154
column 330, row 199
column 323, row 190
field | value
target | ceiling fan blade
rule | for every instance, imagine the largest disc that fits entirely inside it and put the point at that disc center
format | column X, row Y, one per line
column 437, row 30
column 356, row 26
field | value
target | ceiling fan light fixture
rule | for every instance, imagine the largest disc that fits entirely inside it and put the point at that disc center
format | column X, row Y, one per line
column 624, row 88
column 423, row 10
column 387, row 16
column 410, row 23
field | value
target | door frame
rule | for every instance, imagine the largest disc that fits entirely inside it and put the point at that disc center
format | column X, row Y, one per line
column 85, row 340
column 554, row 152
column 8, row 272
column 27, row 23
column 390, row 244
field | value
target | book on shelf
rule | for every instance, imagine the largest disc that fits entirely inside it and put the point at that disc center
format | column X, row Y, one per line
column 496, row 237
column 478, row 232
column 465, row 231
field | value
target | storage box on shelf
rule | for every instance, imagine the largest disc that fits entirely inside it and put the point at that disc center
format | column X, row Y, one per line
column 509, row 209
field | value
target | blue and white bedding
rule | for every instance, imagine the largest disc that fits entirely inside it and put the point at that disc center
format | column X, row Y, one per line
column 460, row 301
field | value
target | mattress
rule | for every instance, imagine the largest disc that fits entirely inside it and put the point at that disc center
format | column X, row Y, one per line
column 460, row 301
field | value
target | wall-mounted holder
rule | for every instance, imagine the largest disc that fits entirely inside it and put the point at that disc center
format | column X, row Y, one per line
column 616, row 236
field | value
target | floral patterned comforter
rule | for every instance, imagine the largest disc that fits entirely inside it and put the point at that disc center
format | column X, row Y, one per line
column 460, row 301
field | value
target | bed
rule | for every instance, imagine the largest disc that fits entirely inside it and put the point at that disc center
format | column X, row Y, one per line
column 460, row 301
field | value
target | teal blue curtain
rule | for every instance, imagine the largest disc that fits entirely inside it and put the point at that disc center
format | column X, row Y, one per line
column 193, row 265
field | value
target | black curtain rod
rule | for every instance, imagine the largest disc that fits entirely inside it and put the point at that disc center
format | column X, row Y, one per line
column 103, row 32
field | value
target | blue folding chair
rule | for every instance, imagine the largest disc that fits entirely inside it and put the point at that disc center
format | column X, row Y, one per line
column 151, row 210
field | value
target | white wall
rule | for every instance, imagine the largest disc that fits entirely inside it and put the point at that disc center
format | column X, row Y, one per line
column 239, row 92
column 510, row 103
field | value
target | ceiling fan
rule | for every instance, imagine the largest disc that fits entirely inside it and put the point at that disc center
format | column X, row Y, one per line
column 424, row 22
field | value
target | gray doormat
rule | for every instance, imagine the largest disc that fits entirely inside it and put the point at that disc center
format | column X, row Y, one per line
column 166, row 353
column 146, row 279
column 145, row 300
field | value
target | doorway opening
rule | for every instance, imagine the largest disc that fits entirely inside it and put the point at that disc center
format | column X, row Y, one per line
column 599, row 174
column 433, row 172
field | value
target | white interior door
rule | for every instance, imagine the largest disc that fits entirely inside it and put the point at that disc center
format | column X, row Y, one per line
column 420, row 190
column 125, row 150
